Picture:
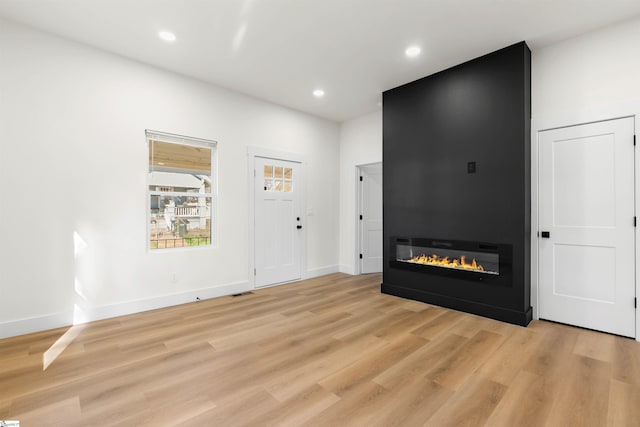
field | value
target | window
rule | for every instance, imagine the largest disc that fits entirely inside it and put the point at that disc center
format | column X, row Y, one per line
column 277, row 178
column 181, row 191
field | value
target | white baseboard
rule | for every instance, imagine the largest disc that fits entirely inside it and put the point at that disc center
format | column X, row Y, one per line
column 320, row 271
column 347, row 269
column 13, row 328
column 81, row 314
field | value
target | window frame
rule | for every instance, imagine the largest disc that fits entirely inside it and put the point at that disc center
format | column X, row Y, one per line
column 152, row 135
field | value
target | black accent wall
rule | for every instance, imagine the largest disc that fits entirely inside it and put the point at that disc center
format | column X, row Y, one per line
column 456, row 165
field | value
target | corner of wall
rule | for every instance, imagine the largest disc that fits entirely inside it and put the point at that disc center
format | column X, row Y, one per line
column 320, row 271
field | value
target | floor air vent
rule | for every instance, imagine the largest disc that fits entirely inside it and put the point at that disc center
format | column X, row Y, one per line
column 242, row 294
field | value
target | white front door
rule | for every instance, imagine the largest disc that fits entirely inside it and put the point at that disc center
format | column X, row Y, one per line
column 278, row 221
column 586, row 235
column 371, row 219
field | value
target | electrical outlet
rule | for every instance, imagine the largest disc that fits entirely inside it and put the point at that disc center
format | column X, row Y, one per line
column 173, row 277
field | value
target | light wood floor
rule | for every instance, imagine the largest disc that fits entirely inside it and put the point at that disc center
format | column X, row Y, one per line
column 331, row 351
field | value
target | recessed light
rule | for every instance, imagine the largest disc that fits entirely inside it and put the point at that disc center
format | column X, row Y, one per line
column 412, row 51
column 318, row 93
column 161, row 163
column 167, row 36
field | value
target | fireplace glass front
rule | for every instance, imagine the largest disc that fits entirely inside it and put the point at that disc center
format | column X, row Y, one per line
column 479, row 262
column 469, row 260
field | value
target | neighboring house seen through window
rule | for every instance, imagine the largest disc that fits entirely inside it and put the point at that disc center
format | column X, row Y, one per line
column 181, row 187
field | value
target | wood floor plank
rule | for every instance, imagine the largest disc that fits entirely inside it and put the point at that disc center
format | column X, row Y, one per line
column 407, row 321
column 180, row 411
column 626, row 361
column 358, row 408
column 382, row 304
column 470, row 406
column 23, row 343
column 367, row 324
column 470, row 325
column 454, row 370
column 420, row 361
column 527, row 402
column 306, row 327
column 328, row 351
column 554, row 354
column 624, row 404
column 273, row 364
column 115, row 411
column 371, row 364
column 5, row 408
column 301, row 407
column 286, row 385
column 245, row 408
column 584, row 398
column 55, row 413
column 595, row 345
column 411, row 402
column 513, row 356
column 439, row 324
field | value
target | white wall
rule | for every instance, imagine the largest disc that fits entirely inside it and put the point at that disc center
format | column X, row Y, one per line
column 73, row 159
column 586, row 74
column 588, row 78
column 360, row 143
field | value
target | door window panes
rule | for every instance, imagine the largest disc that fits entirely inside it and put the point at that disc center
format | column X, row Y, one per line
column 277, row 178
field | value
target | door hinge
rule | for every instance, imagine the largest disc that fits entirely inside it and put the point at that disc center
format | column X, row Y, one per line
column 635, row 302
column 254, row 172
column 254, row 271
column 360, row 256
column 635, row 220
column 634, row 140
column 360, row 178
column 360, row 217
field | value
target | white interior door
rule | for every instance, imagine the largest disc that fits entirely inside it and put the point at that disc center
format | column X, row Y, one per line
column 587, row 269
column 371, row 218
column 278, row 221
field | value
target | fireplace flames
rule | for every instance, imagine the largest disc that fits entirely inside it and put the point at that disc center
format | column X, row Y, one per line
column 434, row 259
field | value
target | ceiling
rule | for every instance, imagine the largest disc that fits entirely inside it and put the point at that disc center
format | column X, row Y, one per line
column 281, row 50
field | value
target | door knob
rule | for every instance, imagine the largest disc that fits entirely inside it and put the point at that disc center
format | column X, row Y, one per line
column 298, row 227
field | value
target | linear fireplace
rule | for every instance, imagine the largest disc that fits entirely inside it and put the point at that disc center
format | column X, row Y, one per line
column 474, row 261
column 456, row 187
